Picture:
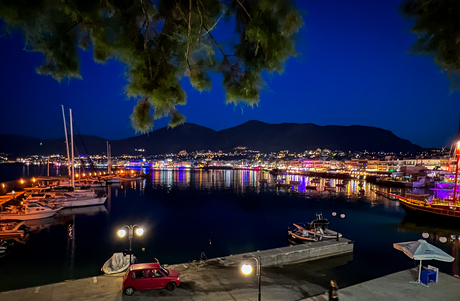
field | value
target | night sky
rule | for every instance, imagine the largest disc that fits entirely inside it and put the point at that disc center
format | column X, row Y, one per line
column 353, row 68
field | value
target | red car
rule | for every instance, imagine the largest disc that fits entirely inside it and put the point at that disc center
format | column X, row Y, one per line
column 147, row 276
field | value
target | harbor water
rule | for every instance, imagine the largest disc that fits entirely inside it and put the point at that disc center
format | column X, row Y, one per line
column 192, row 214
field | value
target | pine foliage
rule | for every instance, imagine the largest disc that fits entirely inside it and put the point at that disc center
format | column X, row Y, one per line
column 437, row 25
column 160, row 42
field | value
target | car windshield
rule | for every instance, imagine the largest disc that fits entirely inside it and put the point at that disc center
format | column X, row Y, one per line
column 165, row 271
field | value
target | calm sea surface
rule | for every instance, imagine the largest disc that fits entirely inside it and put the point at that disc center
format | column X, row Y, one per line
column 218, row 212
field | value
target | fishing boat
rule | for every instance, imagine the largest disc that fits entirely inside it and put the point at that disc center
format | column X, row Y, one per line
column 316, row 230
column 118, row 263
column 28, row 211
column 301, row 235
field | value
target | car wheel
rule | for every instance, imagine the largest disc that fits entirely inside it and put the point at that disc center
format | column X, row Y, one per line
column 171, row 286
column 129, row 290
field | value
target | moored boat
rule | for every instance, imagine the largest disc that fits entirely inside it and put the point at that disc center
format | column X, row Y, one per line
column 318, row 228
column 301, row 235
column 28, row 211
column 447, row 207
column 433, row 207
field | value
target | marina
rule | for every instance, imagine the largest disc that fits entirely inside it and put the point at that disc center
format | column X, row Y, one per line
column 225, row 212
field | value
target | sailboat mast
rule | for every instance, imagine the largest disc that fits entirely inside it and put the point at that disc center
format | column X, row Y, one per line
column 72, row 153
column 66, row 141
column 109, row 163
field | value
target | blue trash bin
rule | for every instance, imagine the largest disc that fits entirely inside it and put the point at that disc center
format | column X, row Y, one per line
column 428, row 276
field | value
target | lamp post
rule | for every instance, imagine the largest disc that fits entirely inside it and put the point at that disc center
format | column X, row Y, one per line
column 246, row 268
column 122, row 232
column 341, row 216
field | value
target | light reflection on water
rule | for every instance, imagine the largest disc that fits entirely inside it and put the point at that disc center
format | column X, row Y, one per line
column 184, row 210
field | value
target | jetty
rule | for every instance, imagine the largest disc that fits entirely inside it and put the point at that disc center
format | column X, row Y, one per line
column 216, row 279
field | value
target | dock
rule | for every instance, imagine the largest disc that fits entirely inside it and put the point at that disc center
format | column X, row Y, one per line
column 219, row 279
column 216, row 279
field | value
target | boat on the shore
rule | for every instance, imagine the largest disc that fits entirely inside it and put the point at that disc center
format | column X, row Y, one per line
column 118, row 263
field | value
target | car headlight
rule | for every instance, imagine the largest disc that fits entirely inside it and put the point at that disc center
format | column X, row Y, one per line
column 178, row 278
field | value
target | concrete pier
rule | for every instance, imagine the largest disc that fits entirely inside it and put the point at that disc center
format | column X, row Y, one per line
column 215, row 279
column 295, row 254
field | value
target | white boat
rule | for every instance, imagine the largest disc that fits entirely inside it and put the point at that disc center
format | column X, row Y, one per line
column 12, row 229
column 117, row 263
column 28, row 211
column 68, row 201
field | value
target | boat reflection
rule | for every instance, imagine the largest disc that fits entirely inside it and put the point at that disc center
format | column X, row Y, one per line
column 31, row 227
column 442, row 235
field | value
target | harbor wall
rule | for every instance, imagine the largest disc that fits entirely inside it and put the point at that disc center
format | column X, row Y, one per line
column 295, row 253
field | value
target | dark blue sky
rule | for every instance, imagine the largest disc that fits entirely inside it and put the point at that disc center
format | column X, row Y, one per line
column 354, row 68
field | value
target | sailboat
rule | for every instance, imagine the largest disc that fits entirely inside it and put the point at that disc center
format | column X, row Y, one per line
column 71, row 198
column 110, row 179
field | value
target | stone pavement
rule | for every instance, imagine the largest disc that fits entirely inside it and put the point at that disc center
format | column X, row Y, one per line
column 217, row 280
column 397, row 286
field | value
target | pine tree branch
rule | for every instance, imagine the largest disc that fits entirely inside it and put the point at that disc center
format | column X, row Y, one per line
column 244, row 9
column 187, row 53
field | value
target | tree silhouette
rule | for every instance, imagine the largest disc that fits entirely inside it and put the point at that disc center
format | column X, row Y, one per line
column 160, row 42
column 437, row 24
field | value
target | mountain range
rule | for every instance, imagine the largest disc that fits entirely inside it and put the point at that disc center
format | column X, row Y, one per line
column 255, row 135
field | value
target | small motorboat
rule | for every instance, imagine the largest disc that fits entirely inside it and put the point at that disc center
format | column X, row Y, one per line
column 118, row 263
column 318, row 228
column 300, row 235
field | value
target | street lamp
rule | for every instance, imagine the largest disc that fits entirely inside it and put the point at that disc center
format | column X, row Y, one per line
column 246, row 268
column 122, row 232
column 341, row 216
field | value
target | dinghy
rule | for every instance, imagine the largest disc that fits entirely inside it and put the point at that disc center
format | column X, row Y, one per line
column 117, row 263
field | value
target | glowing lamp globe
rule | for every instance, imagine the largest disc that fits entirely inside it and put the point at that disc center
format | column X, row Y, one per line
column 121, row 233
column 246, row 269
column 139, row 231
column 425, row 235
